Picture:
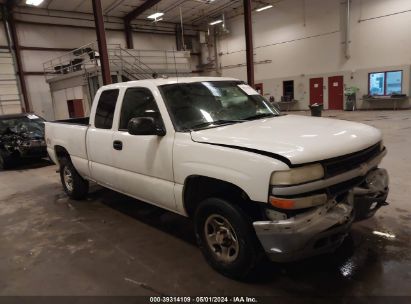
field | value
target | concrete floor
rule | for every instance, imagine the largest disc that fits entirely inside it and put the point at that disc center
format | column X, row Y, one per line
column 113, row 245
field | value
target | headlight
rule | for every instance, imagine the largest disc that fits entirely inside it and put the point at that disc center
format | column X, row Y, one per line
column 297, row 175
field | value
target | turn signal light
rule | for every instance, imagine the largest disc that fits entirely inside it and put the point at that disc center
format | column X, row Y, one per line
column 298, row 202
column 282, row 203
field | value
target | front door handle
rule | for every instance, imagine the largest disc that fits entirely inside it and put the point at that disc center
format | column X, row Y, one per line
column 118, row 145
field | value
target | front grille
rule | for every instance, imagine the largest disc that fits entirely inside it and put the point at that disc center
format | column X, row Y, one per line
column 344, row 187
column 348, row 162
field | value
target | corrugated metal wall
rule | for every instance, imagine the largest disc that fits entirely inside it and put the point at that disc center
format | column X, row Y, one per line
column 10, row 100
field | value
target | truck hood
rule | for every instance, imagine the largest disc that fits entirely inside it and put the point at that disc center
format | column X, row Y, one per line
column 300, row 139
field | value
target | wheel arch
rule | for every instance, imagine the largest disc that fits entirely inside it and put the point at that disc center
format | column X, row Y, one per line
column 198, row 188
column 61, row 153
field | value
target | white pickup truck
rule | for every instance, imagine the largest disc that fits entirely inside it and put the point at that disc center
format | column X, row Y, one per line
column 253, row 180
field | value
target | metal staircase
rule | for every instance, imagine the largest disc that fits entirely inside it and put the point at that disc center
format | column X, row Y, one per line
column 128, row 65
column 131, row 64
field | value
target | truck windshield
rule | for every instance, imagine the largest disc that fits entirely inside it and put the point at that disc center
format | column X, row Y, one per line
column 202, row 105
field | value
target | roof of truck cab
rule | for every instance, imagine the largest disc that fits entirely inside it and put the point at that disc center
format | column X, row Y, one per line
column 171, row 80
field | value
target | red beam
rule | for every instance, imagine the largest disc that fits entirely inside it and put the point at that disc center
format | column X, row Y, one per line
column 129, row 35
column 45, row 49
column 101, row 41
column 33, row 73
column 133, row 15
column 249, row 42
column 20, row 71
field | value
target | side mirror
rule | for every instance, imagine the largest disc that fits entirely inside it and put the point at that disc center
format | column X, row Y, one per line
column 144, row 126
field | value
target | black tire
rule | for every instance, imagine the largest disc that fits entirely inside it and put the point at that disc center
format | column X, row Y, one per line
column 77, row 188
column 249, row 254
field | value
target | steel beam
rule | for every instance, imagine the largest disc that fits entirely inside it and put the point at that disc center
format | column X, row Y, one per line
column 101, row 41
column 133, row 15
column 139, row 10
column 17, row 53
column 249, row 42
column 129, row 35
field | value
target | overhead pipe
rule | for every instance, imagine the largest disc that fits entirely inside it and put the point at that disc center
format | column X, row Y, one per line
column 216, row 58
column 182, row 30
column 347, row 30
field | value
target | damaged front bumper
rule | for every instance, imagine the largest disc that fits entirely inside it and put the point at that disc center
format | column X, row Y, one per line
column 315, row 232
column 323, row 229
column 34, row 150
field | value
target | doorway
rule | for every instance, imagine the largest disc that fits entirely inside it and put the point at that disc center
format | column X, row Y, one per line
column 75, row 108
column 316, row 90
column 336, row 93
column 288, row 90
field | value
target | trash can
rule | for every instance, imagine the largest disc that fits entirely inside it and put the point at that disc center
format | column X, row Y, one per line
column 350, row 102
column 316, row 109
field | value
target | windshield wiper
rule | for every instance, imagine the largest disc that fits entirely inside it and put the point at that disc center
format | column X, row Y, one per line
column 258, row 116
column 216, row 122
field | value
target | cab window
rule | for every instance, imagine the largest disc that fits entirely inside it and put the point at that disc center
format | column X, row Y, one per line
column 138, row 102
column 105, row 109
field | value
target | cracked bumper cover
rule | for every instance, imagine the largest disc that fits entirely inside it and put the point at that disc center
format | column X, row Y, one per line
column 315, row 232
column 323, row 229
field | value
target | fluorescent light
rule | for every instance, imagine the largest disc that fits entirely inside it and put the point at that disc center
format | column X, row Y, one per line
column 155, row 15
column 34, row 2
column 263, row 8
column 216, row 22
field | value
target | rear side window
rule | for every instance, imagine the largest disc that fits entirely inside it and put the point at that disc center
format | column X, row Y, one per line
column 138, row 102
column 105, row 109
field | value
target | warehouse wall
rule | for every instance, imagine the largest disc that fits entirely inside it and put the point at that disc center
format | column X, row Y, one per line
column 64, row 35
column 303, row 42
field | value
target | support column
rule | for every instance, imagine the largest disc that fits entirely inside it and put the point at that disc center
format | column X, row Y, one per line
column 249, row 42
column 17, row 53
column 101, row 41
column 129, row 34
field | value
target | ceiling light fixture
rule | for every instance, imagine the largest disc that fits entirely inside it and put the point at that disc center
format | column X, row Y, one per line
column 263, row 8
column 155, row 16
column 34, row 2
column 216, row 22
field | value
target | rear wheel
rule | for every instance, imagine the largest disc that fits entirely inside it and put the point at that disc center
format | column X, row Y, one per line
column 226, row 238
column 74, row 185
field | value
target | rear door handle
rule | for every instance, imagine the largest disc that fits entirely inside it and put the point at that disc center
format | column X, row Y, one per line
column 118, row 145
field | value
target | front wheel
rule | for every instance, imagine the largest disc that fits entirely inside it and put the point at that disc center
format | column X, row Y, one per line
column 226, row 238
column 74, row 185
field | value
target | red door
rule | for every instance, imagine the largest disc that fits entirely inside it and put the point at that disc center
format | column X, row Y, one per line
column 335, row 92
column 316, row 90
column 259, row 88
column 75, row 108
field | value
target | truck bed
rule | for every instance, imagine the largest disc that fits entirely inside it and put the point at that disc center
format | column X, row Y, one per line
column 69, row 134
